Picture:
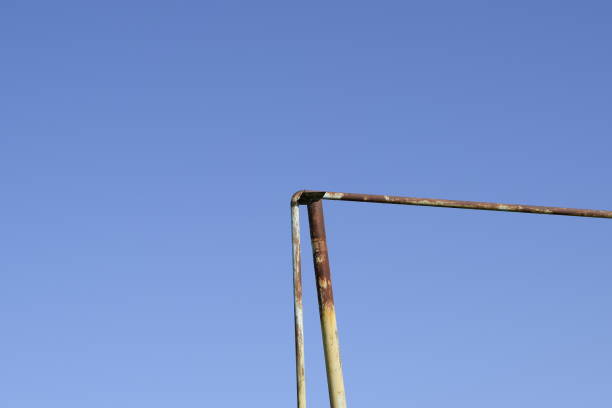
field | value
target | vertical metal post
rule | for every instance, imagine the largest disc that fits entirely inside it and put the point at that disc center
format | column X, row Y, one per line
column 327, row 312
column 297, row 303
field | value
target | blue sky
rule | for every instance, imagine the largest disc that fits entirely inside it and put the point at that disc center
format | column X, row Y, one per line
column 148, row 151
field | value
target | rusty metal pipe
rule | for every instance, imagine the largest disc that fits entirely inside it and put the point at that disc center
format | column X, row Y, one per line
column 327, row 312
column 472, row 205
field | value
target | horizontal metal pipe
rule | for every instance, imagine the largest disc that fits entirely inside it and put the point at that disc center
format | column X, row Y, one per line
column 310, row 196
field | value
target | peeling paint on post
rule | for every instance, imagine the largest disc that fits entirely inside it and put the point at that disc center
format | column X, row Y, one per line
column 327, row 312
column 300, row 374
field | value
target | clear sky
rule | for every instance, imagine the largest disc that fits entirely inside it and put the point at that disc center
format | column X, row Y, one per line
column 148, row 151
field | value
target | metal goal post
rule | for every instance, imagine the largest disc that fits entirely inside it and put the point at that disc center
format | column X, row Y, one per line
column 331, row 346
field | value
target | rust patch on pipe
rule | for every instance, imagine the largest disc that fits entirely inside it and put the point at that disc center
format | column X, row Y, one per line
column 320, row 254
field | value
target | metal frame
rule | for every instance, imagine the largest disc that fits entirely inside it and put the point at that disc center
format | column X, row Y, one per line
column 329, row 329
